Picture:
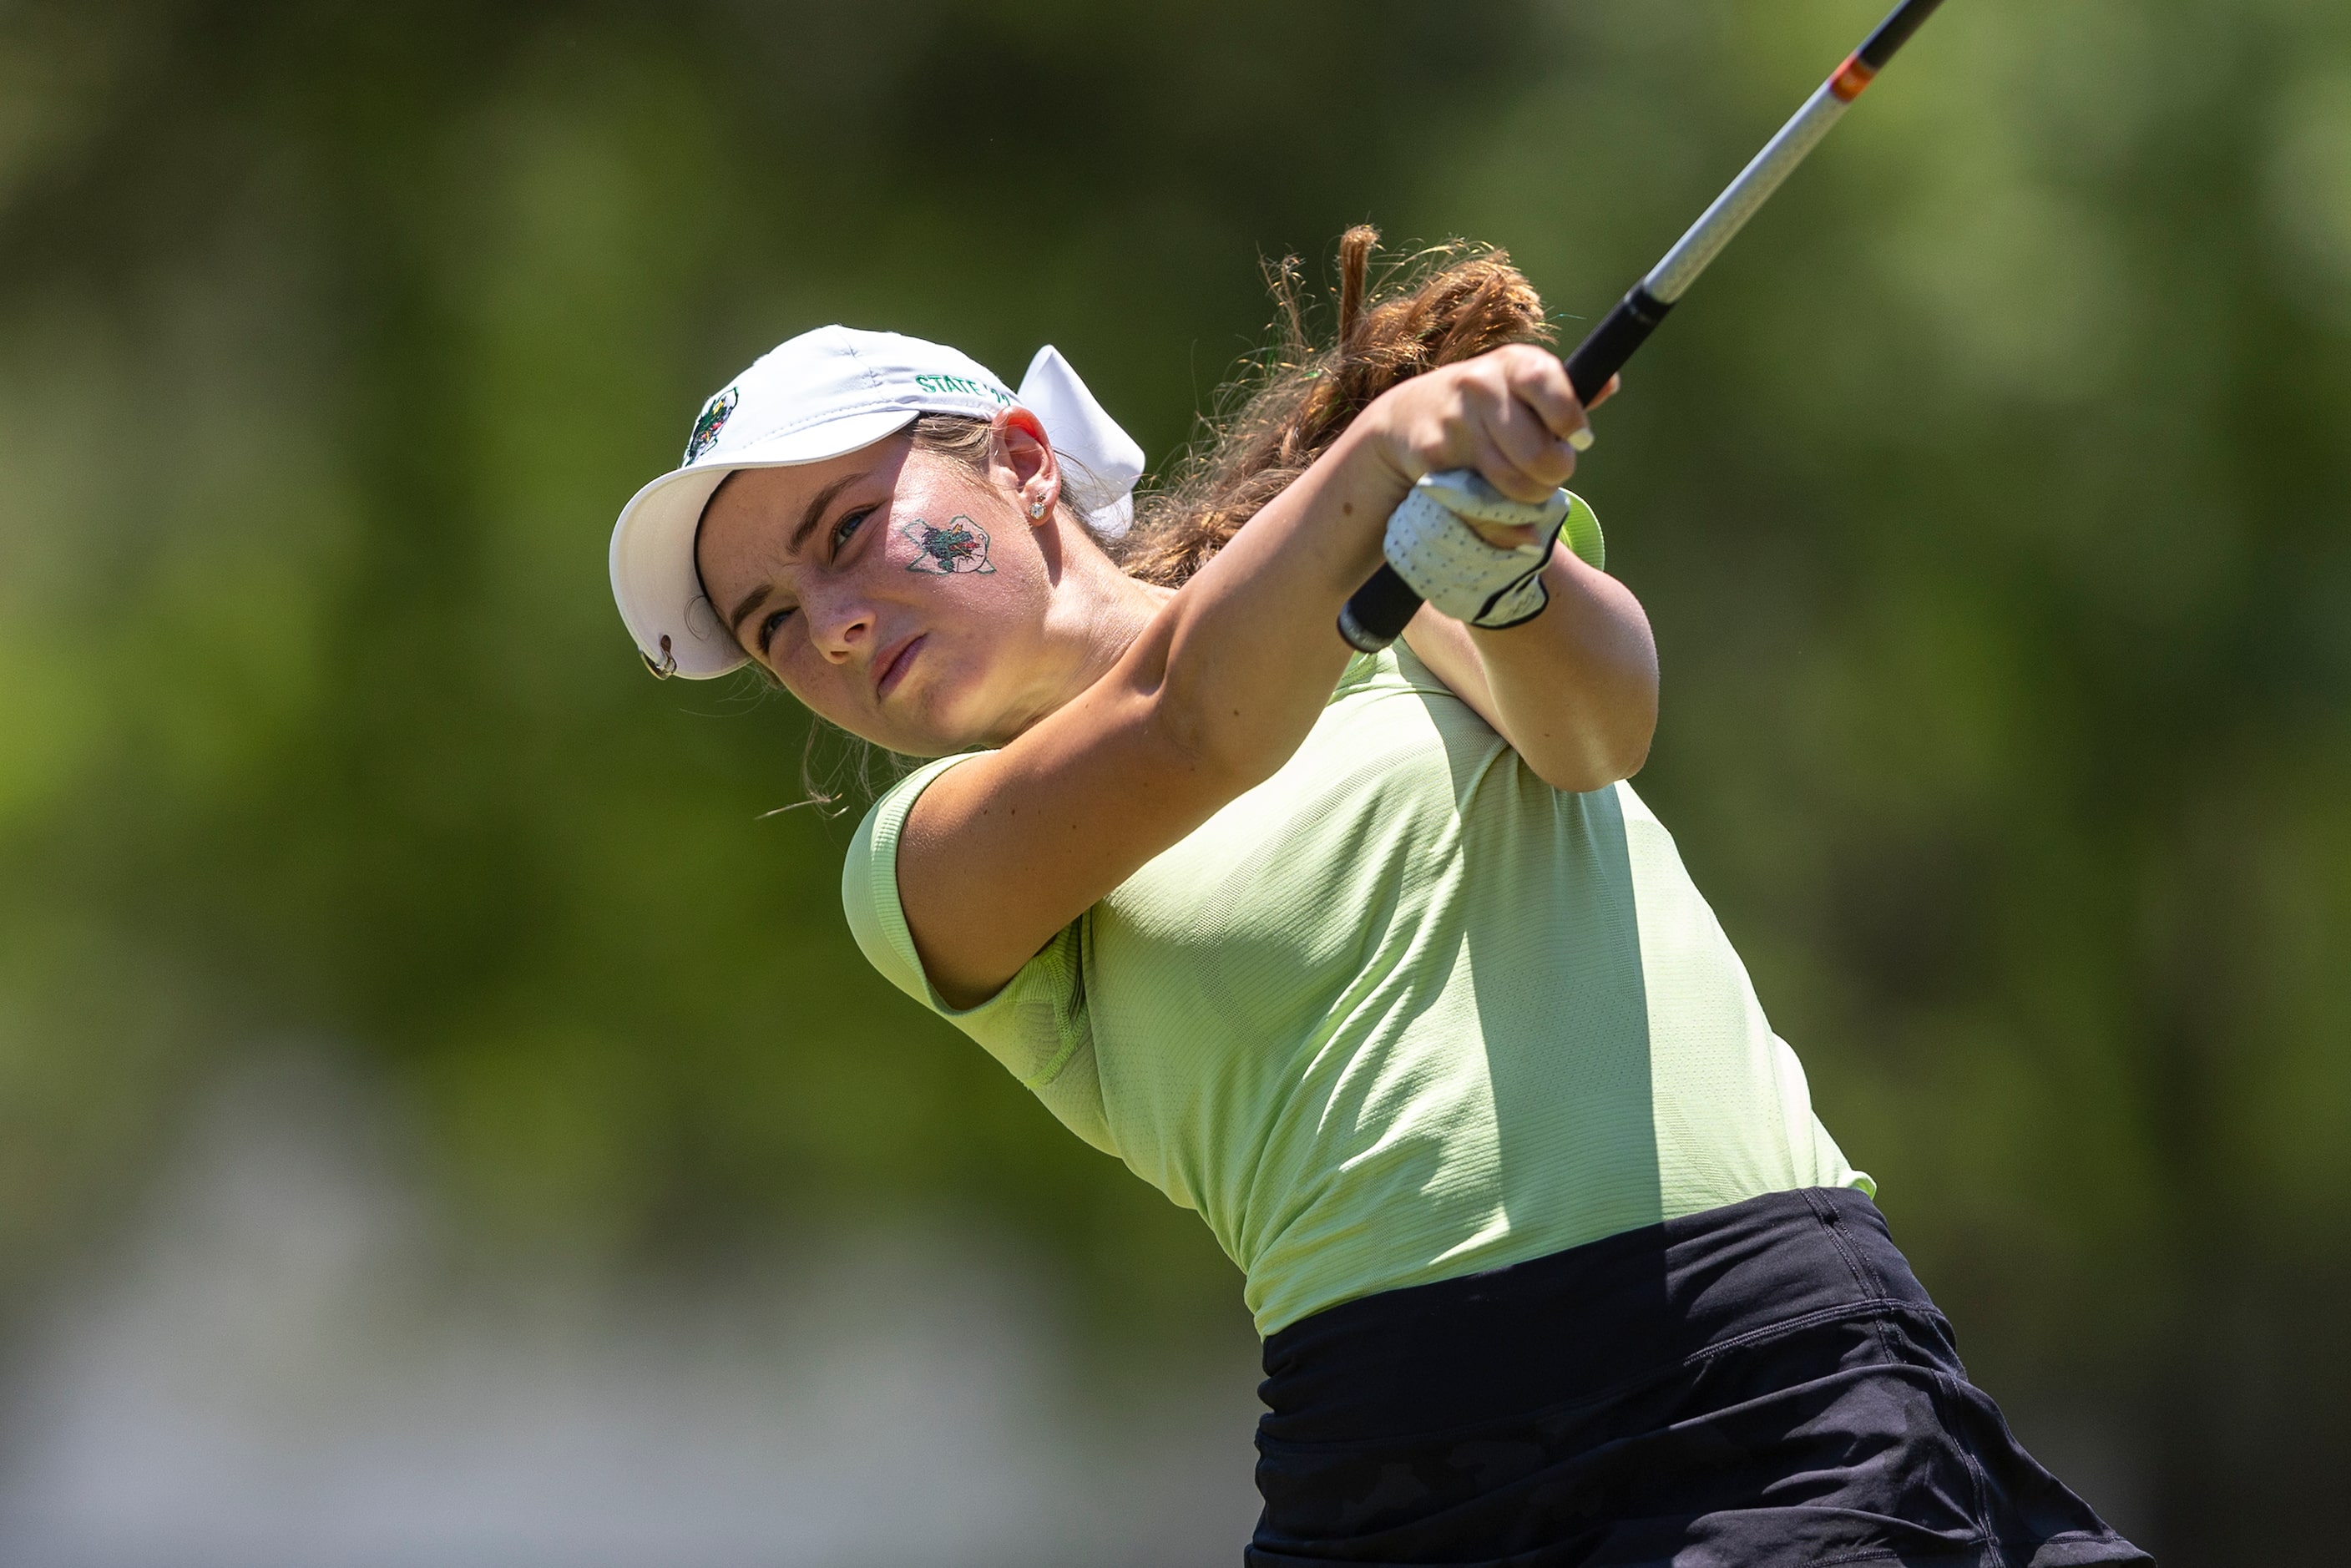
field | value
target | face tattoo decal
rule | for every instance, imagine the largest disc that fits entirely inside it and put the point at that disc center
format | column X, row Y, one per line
column 961, row 546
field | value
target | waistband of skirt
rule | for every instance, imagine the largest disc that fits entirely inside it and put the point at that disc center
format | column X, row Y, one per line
column 1583, row 1323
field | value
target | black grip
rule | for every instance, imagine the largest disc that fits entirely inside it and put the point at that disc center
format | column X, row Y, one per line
column 1606, row 347
column 1380, row 608
column 1379, row 612
column 1895, row 32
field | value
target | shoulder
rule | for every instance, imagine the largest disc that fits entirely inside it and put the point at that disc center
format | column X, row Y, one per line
column 869, row 880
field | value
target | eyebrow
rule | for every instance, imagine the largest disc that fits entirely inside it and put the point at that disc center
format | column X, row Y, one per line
column 801, row 531
column 751, row 600
column 816, row 507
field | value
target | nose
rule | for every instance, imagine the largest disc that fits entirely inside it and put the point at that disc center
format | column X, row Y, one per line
column 840, row 621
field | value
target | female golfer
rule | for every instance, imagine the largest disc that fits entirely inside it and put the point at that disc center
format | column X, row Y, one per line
column 1375, row 961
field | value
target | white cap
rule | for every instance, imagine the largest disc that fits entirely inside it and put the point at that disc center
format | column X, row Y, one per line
column 823, row 394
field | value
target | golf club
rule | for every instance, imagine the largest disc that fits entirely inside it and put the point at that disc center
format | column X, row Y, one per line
column 1378, row 614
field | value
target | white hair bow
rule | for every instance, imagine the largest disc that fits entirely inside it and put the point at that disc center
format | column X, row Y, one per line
column 1100, row 461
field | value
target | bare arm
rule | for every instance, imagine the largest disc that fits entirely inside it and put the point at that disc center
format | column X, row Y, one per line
column 1006, row 850
column 1574, row 691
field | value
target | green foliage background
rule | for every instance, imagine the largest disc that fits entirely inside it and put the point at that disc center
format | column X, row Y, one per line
column 1989, row 501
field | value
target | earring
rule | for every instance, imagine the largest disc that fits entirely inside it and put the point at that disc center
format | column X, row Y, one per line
column 1036, row 509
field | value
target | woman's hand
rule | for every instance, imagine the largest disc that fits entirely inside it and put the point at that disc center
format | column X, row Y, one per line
column 1511, row 414
column 1574, row 690
column 1236, row 666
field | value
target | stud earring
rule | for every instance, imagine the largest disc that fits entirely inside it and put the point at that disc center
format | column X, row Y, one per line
column 1036, row 509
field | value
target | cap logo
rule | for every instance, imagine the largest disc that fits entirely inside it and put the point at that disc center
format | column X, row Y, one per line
column 712, row 420
column 936, row 384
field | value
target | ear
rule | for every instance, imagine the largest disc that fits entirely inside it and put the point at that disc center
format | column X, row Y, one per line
column 1031, row 471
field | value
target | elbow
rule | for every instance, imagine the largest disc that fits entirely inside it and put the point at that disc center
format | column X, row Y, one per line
column 1582, row 775
column 1223, row 729
column 1211, row 745
column 1212, row 748
column 1600, row 755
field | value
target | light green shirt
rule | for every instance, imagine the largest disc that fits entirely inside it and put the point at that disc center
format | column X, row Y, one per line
column 1400, row 1013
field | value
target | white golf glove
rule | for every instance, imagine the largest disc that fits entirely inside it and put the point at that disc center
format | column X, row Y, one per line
column 1448, row 564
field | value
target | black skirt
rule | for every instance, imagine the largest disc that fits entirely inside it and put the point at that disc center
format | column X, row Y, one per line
column 1765, row 1386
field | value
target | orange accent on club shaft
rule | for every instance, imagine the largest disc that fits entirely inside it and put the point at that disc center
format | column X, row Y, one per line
column 1851, row 78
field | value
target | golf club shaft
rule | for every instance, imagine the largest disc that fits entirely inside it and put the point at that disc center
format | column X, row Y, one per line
column 1378, row 614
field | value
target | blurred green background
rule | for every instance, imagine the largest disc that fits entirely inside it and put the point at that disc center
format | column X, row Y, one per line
column 1987, row 499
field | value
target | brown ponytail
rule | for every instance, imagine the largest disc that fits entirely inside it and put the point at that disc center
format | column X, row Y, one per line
column 1452, row 302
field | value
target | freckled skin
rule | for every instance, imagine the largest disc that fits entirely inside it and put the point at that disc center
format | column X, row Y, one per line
column 1128, row 715
column 983, row 653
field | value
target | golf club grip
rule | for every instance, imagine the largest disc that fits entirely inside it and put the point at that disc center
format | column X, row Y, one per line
column 1380, row 608
column 1606, row 347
